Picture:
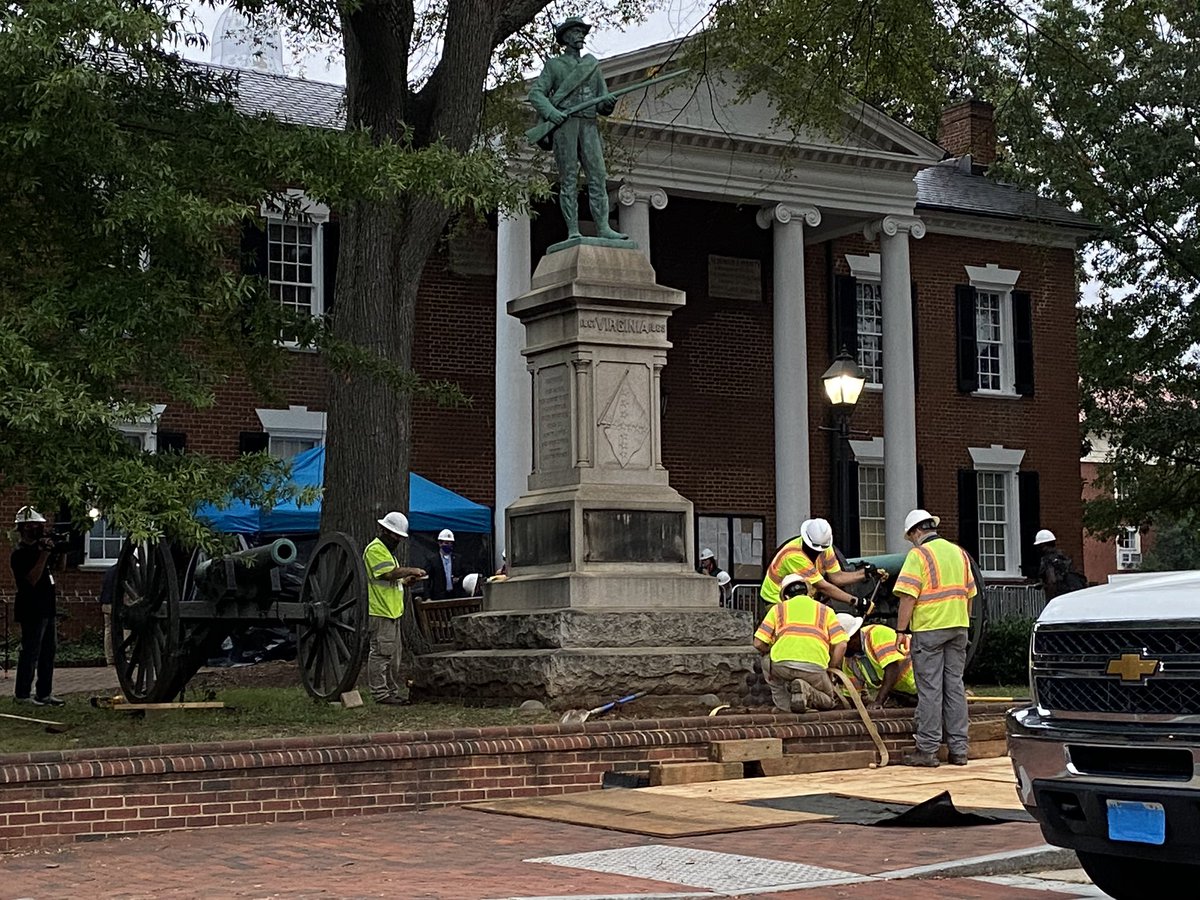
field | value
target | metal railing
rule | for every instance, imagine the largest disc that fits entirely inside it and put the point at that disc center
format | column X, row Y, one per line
column 1004, row 600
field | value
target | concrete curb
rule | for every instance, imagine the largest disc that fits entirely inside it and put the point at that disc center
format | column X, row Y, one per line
column 1013, row 862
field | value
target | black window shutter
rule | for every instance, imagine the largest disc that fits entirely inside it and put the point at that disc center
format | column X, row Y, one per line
column 845, row 326
column 916, row 343
column 1029, row 496
column 330, row 241
column 968, row 511
column 253, row 442
column 74, row 553
column 852, row 540
column 254, row 249
column 920, row 486
column 172, row 442
column 968, row 359
column 1022, row 312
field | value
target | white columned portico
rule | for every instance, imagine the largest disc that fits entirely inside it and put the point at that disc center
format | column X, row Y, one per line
column 899, row 377
column 793, row 499
column 633, row 213
column 514, row 404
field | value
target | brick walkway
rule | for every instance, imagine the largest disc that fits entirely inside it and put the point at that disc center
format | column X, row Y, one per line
column 71, row 680
column 460, row 854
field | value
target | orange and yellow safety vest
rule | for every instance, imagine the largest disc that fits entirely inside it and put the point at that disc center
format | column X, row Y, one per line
column 938, row 575
column 792, row 558
column 801, row 630
column 880, row 651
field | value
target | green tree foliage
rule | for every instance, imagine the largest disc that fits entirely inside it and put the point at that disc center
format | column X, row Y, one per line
column 1176, row 545
column 125, row 177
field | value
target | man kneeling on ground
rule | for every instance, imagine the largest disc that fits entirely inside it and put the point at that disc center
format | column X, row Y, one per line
column 874, row 661
column 801, row 640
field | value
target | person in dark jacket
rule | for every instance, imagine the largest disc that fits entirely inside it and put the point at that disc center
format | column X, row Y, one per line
column 445, row 570
column 36, row 608
column 1056, row 572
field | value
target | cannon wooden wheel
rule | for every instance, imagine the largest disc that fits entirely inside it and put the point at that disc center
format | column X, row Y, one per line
column 332, row 639
column 145, row 622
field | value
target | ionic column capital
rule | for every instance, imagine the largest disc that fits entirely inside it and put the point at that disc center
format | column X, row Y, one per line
column 894, row 225
column 782, row 213
column 628, row 194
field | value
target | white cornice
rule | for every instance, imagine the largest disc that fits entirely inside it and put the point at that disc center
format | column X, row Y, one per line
column 989, row 228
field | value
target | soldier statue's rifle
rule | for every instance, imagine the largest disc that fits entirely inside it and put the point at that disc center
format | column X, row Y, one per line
column 542, row 133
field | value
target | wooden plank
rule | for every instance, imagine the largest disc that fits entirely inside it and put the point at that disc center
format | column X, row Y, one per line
column 804, row 763
column 152, row 707
column 640, row 812
column 51, row 726
column 748, row 750
column 693, row 772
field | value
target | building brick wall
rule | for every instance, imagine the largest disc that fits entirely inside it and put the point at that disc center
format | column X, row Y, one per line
column 52, row 798
column 969, row 127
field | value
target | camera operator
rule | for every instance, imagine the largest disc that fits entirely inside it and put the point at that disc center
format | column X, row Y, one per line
column 35, row 608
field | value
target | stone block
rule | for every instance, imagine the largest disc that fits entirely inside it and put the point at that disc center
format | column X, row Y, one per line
column 980, row 750
column 805, row 763
column 583, row 628
column 748, row 750
column 693, row 772
column 352, row 700
column 990, row 730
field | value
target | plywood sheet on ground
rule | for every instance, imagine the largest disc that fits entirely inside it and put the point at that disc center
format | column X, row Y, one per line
column 641, row 812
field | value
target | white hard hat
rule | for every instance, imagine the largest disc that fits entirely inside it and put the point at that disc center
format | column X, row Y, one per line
column 395, row 522
column 723, row 578
column 788, row 581
column 27, row 515
column 850, row 623
column 707, row 554
column 470, row 583
column 817, row 534
column 446, row 535
column 1045, row 536
column 917, row 516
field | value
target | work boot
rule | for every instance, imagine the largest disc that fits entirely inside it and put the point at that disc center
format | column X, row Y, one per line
column 799, row 703
column 920, row 760
column 50, row 700
column 395, row 701
column 958, row 759
column 23, row 701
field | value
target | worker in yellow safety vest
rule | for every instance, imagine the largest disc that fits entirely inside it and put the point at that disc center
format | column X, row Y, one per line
column 811, row 556
column 386, row 580
column 874, row 662
column 800, row 640
column 935, row 588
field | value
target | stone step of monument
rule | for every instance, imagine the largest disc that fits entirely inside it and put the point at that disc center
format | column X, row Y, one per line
column 559, row 628
column 577, row 676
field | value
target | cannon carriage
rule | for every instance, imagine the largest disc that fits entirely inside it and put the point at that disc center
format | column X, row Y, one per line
column 172, row 609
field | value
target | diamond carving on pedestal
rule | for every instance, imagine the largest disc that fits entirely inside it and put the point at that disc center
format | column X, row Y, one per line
column 624, row 422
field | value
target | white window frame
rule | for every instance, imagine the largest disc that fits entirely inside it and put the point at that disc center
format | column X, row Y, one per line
column 1007, row 462
column 866, row 270
column 146, row 429
column 869, row 455
column 995, row 280
column 296, row 208
column 1125, row 561
column 295, row 423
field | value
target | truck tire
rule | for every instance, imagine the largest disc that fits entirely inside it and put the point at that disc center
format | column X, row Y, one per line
column 1128, row 879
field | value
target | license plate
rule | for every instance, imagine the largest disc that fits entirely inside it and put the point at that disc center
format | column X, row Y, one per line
column 1137, row 822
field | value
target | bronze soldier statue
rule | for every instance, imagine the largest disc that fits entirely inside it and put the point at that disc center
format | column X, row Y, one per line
column 570, row 94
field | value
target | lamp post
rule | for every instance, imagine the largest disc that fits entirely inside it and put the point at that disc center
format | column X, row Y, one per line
column 843, row 382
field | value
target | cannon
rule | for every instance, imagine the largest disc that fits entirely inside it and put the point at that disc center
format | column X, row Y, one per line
column 173, row 609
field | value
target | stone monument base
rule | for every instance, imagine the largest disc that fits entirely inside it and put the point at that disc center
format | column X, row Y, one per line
column 586, row 657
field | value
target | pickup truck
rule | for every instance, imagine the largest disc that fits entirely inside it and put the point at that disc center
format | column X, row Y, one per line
column 1107, row 757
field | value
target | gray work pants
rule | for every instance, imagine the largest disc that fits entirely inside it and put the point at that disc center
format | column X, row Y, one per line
column 384, row 675
column 939, row 658
column 813, row 683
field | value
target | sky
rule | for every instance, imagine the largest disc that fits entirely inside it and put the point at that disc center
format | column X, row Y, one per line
column 675, row 19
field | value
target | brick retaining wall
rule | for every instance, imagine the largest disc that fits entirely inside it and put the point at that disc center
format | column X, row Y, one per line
column 51, row 798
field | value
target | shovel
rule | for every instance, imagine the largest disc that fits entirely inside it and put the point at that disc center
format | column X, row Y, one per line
column 579, row 716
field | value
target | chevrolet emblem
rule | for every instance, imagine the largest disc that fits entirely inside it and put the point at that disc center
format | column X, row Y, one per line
column 1132, row 667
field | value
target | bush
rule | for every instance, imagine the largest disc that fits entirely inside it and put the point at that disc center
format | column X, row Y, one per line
column 1003, row 657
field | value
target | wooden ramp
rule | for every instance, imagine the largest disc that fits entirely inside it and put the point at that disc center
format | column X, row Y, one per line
column 641, row 812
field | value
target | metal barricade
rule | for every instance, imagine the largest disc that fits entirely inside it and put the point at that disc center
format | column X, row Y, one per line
column 1007, row 600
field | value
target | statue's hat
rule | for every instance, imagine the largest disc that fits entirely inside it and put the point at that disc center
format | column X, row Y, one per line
column 570, row 22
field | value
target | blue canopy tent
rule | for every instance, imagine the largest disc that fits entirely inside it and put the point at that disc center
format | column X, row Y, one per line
column 431, row 507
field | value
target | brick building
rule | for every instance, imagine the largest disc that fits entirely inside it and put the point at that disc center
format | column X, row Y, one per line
column 956, row 293
column 1121, row 553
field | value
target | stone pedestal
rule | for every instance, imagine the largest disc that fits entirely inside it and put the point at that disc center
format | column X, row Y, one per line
column 602, row 597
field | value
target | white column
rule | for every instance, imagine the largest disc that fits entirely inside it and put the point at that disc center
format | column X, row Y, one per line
column 633, row 214
column 793, row 499
column 899, row 379
column 514, row 402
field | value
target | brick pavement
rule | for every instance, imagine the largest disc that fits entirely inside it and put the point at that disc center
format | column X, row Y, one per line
column 71, row 680
column 460, row 854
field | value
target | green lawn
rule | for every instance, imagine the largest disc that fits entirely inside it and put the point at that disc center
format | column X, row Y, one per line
column 999, row 690
column 252, row 713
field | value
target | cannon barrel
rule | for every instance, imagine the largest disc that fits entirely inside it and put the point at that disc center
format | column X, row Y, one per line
column 246, row 573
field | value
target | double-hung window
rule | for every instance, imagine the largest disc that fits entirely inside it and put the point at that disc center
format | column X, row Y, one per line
column 995, row 334
column 872, row 533
column 997, row 509
column 295, row 254
column 866, row 341
column 103, row 544
column 292, row 431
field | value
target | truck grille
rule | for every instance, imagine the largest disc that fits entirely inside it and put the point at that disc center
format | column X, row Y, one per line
column 1162, row 697
column 1157, row 642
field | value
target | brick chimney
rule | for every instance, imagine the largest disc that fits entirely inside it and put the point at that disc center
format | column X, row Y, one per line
column 969, row 127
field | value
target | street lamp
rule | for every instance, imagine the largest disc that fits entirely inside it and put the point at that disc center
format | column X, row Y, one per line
column 843, row 382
